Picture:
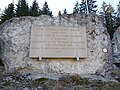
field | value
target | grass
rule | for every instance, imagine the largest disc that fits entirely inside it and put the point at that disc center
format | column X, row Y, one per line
column 74, row 80
column 116, row 74
column 5, row 83
column 64, row 83
column 38, row 81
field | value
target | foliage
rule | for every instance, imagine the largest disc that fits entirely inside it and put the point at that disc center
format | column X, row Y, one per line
column 45, row 10
column 8, row 13
column 1, row 64
column 34, row 9
column 110, row 19
column 22, row 8
column 117, row 23
column 73, row 80
column 59, row 14
column 116, row 73
column 76, row 9
column 82, row 8
column 39, row 81
column 118, row 10
column 66, row 82
column 107, row 14
column 91, row 6
column 65, row 11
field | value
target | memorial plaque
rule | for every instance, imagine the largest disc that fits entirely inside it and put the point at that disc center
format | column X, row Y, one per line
column 58, row 42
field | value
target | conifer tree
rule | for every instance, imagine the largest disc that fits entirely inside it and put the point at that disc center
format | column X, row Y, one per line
column 76, row 9
column 45, row 10
column 22, row 8
column 107, row 14
column 65, row 11
column 118, row 10
column 118, row 16
column 91, row 6
column 34, row 9
column 83, row 7
column 8, row 13
column 103, row 12
column 50, row 14
column 59, row 14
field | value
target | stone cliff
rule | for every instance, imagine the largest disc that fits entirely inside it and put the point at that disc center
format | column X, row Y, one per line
column 116, row 48
column 15, row 46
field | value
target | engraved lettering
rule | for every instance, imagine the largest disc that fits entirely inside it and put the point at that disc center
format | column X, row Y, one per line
column 58, row 41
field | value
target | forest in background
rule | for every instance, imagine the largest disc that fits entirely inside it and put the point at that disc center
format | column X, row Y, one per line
column 110, row 17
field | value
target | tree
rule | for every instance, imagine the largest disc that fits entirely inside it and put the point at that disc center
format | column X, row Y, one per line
column 118, row 15
column 59, row 14
column 45, row 10
column 50, row 14
column 110, row 20
column 118, row 10
column 22, row 8
column 76, row 9
column 117, row 22
column 107, row 14
column 8, row 13
column 34, row 9
column 103, row 12
column 90, row 6
column 65, row 12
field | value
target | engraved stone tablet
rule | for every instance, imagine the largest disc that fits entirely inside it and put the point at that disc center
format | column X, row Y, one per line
column 58, row 42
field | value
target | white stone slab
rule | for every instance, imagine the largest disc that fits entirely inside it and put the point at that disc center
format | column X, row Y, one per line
column 58, row 42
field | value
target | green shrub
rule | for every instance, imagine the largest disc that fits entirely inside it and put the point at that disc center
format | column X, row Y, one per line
column 1, row 64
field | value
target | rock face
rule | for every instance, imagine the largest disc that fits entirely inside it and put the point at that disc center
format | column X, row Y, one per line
column 15, row 46
column 116, row 48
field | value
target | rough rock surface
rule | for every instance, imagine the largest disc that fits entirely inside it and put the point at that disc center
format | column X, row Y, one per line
column 116, row 48
column 15, row 44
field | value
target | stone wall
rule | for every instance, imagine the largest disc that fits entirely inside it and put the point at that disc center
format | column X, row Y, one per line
column 15, row 46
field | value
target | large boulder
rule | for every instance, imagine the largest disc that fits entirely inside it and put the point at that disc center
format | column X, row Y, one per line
column 15, row 46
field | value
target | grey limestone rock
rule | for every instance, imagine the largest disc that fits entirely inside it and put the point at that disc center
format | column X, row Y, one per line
column 15, row 46
column 116, row 48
